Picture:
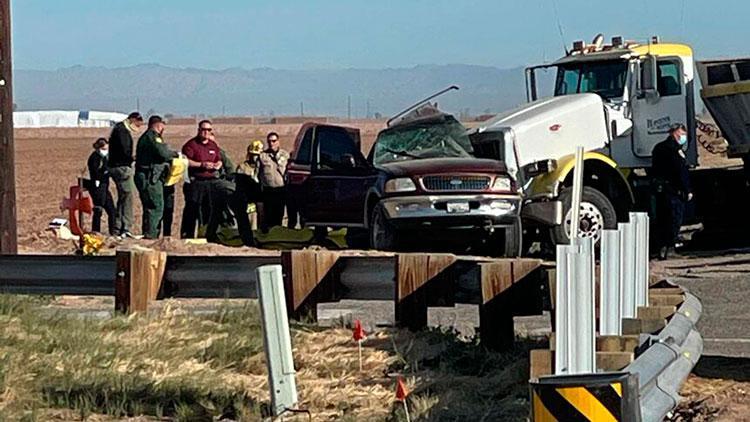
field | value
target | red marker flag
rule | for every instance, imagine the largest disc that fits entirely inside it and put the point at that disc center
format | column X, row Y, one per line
column 358, row 333
column 401, row 391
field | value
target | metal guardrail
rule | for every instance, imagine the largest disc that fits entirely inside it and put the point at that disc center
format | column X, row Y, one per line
column 669, row 359
column 666, row 358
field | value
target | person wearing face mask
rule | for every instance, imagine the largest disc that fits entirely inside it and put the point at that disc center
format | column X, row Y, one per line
column 669, row 170
column 152, row 159
column 98, row 186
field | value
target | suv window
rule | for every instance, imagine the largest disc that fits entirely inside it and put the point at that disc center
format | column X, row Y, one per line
column 335, row 150
column 305, row 147
column 670, row 78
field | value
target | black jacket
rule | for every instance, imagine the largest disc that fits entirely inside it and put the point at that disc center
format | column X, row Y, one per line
column 120, row 146
column 98, row 172
column 669, row 168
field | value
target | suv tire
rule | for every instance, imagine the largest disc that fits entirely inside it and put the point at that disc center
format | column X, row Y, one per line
column 382, row 233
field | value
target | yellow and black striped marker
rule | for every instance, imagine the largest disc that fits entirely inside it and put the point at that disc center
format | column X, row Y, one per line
column 605, row 397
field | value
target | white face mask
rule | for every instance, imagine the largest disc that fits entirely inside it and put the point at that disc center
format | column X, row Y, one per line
column 682, row 140
column 103, row 152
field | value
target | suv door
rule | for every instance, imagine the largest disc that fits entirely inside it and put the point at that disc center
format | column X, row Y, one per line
column 340, row 178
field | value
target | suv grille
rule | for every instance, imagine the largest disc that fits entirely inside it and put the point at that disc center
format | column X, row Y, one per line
column 448, row 183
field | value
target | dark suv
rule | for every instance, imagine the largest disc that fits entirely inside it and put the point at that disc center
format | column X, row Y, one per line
column 420, row 180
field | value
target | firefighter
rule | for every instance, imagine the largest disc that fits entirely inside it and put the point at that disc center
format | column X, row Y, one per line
column 98, row 187
column 152, row 161
column 273, row 162
column 672, row 185
column 248, row 191
column 121, row 170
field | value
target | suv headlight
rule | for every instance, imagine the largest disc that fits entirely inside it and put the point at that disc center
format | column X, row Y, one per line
column 502, row 184
column 402, row 184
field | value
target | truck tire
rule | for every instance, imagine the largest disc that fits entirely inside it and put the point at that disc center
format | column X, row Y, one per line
column 382, row 233
column 597, row 213
column 512, row 241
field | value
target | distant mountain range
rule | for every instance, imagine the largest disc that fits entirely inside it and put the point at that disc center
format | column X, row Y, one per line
column 266, row 91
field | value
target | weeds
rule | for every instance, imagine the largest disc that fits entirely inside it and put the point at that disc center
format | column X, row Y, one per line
column 178, row 365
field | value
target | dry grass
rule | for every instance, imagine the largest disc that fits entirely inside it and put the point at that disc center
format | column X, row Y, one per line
column 183, row 366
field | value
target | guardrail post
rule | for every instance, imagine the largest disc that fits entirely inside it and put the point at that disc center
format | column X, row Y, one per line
column 610, row 321
column 138, row 277
column 641, row 257
column 562, row 327
column 627, row 269
column 276, row 339
column 581, row 309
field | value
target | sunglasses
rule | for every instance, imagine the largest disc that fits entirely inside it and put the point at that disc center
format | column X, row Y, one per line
column 206, row 129
column 274, row 140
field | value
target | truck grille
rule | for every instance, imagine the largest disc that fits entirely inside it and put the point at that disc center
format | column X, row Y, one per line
column 448, row 183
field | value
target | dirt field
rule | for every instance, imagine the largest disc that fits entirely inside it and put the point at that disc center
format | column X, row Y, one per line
column 48, row 161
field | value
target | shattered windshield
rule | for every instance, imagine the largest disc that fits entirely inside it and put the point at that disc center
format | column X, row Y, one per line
column 444, row 138
column 604, row 78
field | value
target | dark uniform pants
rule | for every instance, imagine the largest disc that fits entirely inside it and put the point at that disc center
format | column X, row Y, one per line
column 103, row 202
column 205, row 200
column 151, row 191
column 670, row 212
column 273, row 207
column 247, row 191
column 168, row 217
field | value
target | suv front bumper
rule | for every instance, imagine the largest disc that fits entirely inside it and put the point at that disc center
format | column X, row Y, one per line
column 495, row 209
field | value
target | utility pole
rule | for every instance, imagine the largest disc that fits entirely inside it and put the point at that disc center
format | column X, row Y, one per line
column 137, row 103
column 8, row 228
column 302, row 108
column 349, row 107
column 367, row 114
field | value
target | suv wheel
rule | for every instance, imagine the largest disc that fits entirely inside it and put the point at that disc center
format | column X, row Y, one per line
column 512, row 241
column 382, row 233
column 597, row 213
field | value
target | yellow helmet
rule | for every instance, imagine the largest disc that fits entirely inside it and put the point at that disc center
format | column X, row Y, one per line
column 255, row 147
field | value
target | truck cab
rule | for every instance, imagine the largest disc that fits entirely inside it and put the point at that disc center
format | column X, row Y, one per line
column 617, row 101
column 420, row 178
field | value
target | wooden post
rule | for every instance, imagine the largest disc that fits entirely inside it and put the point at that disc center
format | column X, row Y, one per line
column 414, row 274
column 8, row 229
column 138, row 278
column 500, row 300
column 304, row 274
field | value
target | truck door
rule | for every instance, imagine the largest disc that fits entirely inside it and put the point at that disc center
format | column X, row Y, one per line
column 653, row 115
column 340, row 179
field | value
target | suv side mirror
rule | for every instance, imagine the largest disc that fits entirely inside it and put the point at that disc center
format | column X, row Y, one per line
column 648, row 79
column 348, row 161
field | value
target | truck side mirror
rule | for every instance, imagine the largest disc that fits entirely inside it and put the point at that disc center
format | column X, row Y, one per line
column 648, row 79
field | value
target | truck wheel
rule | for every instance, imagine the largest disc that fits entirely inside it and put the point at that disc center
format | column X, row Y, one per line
column 597, row 213
column 512, row 240
column 382, row 233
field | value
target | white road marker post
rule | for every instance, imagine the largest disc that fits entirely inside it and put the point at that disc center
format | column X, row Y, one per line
column 575, row 201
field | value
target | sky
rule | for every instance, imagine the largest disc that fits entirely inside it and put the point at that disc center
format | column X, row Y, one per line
column 336, row 34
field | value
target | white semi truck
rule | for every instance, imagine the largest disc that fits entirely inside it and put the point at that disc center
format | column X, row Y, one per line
column 617, row 101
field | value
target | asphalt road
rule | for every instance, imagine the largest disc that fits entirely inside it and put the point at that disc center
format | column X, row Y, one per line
column 721, row 280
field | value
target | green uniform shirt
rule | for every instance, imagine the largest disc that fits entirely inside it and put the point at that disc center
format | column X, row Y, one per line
column 152, row 150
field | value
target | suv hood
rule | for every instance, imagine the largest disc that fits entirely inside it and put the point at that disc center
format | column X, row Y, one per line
column 444, row 166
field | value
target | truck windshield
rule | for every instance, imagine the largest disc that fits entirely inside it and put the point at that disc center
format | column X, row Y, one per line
column 604, row 78
column 446, row 138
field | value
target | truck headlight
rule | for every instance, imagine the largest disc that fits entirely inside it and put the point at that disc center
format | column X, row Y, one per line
column 502, row 184
column 402, row 184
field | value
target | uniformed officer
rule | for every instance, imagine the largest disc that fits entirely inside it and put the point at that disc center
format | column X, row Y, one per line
column 273, row 162
column 672, row 184
column 247, row 192
column 98, row 187
column 121, row 170
column 152, row 159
